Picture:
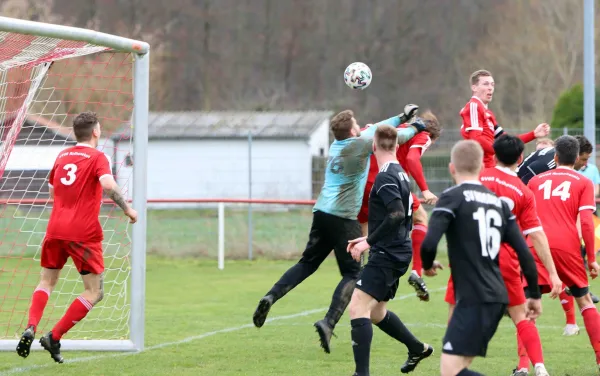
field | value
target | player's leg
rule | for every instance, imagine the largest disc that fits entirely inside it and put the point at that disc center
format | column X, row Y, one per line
column 343, row 230
column 360, row 308
column 571, row 271
column 529, row 344
column 89, row 261
column 53, row 259
column 417, row 236
column 391, row 324
column 595, row 299
column 469, row 332
column 567, row 303
column 318, row 247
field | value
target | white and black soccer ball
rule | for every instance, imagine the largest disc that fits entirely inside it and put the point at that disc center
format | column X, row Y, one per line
column 358, row 76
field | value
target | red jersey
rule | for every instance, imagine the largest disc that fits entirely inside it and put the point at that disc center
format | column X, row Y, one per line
column 507, row 185
column 409, row 155
column 560, row 195
column 75, row 178
column 479, row 124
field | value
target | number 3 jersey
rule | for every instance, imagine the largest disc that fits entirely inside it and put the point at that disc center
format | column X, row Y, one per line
column 560, row 195
column 477, row 222
column 75, row 178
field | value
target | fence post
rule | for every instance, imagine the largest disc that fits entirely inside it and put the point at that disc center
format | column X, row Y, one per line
column 221, row 252
column 250, row 195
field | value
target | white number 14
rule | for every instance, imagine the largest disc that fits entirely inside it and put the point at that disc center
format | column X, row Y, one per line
column 561, row 191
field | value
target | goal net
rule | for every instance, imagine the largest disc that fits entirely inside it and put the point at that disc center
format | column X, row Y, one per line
column 48, row 75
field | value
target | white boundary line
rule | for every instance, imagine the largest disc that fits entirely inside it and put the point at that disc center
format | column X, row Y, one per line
column 18, row 370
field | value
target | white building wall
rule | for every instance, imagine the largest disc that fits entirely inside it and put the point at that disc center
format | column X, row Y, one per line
column 319, row 140
column 179, row 169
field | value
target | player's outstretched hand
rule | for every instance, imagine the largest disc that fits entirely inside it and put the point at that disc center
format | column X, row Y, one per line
column 433, row 271
column 429, row 198
column 534, row 308
column 556, row 286
column 410, row 111
column 542, row 130
column 132, row 214
column 594, row 269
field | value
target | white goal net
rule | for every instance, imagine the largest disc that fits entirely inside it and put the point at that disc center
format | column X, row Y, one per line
column 48, row 75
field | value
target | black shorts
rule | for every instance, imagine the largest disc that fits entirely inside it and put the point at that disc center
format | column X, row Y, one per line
column 329, row 232
column 380, row 278
column 471, row 328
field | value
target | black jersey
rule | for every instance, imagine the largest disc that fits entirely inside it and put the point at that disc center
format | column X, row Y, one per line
column 537, row 162
column 391, row 183
column 475, row 222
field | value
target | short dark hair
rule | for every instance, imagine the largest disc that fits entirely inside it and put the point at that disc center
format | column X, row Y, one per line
column 341, row 125
column 83, row 125
column 567, row 150
column 386, row 138
column 585, row 146
column 508, row 149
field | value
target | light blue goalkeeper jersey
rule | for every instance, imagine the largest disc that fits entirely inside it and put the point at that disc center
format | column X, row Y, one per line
column 347, row 170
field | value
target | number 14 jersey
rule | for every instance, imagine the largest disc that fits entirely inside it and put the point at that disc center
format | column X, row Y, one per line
column 560, row 195
column 75, row 178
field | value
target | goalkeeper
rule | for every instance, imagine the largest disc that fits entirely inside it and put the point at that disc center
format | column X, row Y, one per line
column 335, row 215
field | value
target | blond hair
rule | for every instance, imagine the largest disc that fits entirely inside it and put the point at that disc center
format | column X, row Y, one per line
column 467, row 157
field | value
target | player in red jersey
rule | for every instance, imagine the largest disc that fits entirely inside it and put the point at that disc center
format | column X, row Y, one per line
column 562, row 195
column 409, row 155
column 76, row 182
column 479, row 122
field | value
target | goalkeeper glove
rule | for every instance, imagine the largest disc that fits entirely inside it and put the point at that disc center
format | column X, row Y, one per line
column 410, row 111
column 419, row 124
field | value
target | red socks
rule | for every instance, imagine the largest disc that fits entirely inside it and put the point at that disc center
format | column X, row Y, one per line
column 417, row 236
column 568, row 305
column 522, row 352
column 591, row 320
column 77, row 311
column 528, row 334
column 36, row 310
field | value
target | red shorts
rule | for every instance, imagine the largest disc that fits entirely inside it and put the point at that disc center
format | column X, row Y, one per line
column 87, row 256
column 416, row 203
column 363, row 214
column 543, row 276
column 569, row 266
column 450, row 298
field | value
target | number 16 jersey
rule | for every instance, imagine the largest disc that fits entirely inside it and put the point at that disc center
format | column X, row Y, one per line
column 560, row 195
column 75, row 178
column 477, row 222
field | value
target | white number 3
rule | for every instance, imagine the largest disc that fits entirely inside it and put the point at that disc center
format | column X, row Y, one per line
column 70, row 179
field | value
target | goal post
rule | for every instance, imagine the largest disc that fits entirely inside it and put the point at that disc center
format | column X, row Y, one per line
column 48, row 74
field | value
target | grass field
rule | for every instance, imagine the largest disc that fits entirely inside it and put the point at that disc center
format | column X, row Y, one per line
column 198, row 322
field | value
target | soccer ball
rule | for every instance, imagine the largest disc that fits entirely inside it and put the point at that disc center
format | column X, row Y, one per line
column 358, row 76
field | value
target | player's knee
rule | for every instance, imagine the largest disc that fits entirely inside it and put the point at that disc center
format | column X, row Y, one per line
column 451, row 365
column 378, row 314
column 358, row 307
column 420, row 216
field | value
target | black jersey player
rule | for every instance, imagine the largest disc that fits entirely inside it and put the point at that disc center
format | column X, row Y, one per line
column 475, row 222
column 390, row 223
